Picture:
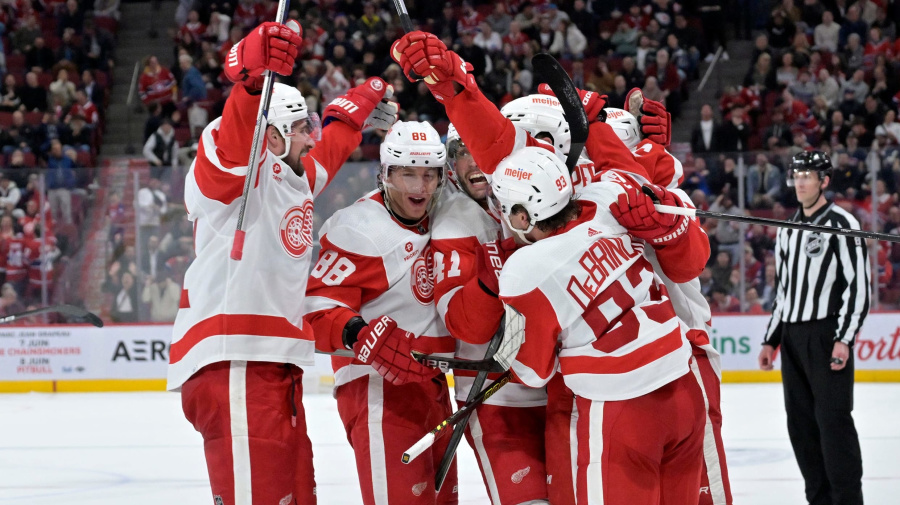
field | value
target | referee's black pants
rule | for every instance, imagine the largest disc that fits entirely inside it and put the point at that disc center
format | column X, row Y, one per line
column 818, row 402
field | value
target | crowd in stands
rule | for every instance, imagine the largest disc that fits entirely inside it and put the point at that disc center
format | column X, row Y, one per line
column 823, row 75
column 55, row 59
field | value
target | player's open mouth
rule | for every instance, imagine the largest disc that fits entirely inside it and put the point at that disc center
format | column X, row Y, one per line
column 418, row 201
column 478, row 180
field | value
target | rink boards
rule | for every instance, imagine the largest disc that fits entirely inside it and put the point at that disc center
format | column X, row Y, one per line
column 81, row 358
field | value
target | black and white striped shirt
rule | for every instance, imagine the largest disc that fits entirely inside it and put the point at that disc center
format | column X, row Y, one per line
column 820, row 275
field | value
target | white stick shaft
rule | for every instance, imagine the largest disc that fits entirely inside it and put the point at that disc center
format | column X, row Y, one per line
column 418, row 448
column 670, row 209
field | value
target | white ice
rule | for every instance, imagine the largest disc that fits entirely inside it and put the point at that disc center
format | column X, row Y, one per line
column 137, row 448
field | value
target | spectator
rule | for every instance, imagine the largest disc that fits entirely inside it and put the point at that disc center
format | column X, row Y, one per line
column 517, row 39
column 752, row 303
column 828, row 87
column 705, row 134
column 735, row 134
column 16, row 170
column 836, row 130
column 98, row 47
column 581, row 17
column 163, row 296
column 527, row 19
column 669, row 81
column 765, row 183
column 161, row 150
column 333, row 84
column 868, row 11
column 761, row 75
column 193, row 89
column 652, row 91
column 574, row 42
column 83, row 108
column 634, row 78
column 645, row 51
column 760, row 46
column 47, row 131
column 856, row 84
column 853, row 54
column 77, row 135
column 21, row 135
column 891, row 127
column 60, row 181
column 620, row 90
column 852, row 24
column 786, row 73
column 9, row 193
column 722, row 301
column 713, row 21
column 473, row 54
column 153, row 259
column 727, row 233
column 601, row 78
column 887, row 25
column 125, row 301
column 445, row 27
column 9, row 95
column 487, row 38
column 624, row 40
column 370, row 24
column 780, row 29
column 39, row 58
column 778, row 134
column 71, row 17
column 157, row 85
column 827, row 35
column 152, row 206
column 24, row 36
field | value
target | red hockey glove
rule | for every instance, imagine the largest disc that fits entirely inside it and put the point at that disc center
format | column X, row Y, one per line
column 635, row 212
column 489, row 259
column 423, row 54
column 387, row 349
column 271, row 46
column 654, row 120
column 363, row 106
column 593, row 102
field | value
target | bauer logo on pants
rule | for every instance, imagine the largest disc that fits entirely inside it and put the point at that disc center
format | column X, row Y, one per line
column 296, row 229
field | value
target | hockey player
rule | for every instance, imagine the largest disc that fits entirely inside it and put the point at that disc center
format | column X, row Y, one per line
column 507, row 431
column 239, row 339
column 372, row 291
column 595, row 310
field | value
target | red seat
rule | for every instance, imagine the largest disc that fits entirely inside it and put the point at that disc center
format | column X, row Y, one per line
column 371, row 151
column 29, row 159
column 6, row 119
column 44, row 79
column 107, row 23
column 34, row 117
column 15, row 63
column 213, row 95
column 183, row 135
column 102, row 78
column 85, row 159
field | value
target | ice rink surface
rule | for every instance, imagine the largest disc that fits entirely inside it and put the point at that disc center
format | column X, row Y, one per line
column 137, row 448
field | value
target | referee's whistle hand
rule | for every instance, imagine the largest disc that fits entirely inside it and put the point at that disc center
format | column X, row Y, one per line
column 766, row 358
column 840, row 352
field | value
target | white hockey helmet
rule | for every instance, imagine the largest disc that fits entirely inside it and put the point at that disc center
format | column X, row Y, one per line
column 625, row 125
column 534, row 178
column 538, row 114
column 287, row 107
column 412, row 144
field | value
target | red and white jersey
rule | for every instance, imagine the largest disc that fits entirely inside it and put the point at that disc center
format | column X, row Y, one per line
column 372, row 265
column 663, row 168
column 250, row 309
column 590, row 291
column 16, row 254
column 458, row 231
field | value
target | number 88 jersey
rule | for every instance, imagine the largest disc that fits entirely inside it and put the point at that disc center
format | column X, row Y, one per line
column 371, row 265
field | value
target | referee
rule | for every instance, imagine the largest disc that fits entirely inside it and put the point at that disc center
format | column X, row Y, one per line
column 822, row 298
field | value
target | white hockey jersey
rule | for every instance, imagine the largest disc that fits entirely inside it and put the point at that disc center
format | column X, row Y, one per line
column 590, row 290
column 250, row 309
column 457, row 232
column 372, row 265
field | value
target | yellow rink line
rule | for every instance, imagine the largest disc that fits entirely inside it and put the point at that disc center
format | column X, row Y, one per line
column 124, row 385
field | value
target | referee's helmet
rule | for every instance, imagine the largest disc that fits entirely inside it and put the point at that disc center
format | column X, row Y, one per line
column 810, row 161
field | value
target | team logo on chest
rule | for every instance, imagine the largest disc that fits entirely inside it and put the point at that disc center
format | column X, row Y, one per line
column 815, row 245
column 296, row 229
column 422, row 277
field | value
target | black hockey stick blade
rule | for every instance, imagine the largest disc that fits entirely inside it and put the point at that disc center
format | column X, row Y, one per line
column 67, row 310
column 447, row 364
column 551, row 72
column 460, row 428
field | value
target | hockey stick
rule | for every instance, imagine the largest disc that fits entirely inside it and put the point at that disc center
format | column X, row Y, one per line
column 66, row 310
column 262, row 115
column 428, row 440
column 559, row 81
column 513, row 338
column 406, row 24
column 684, row 211
column 460, row 428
